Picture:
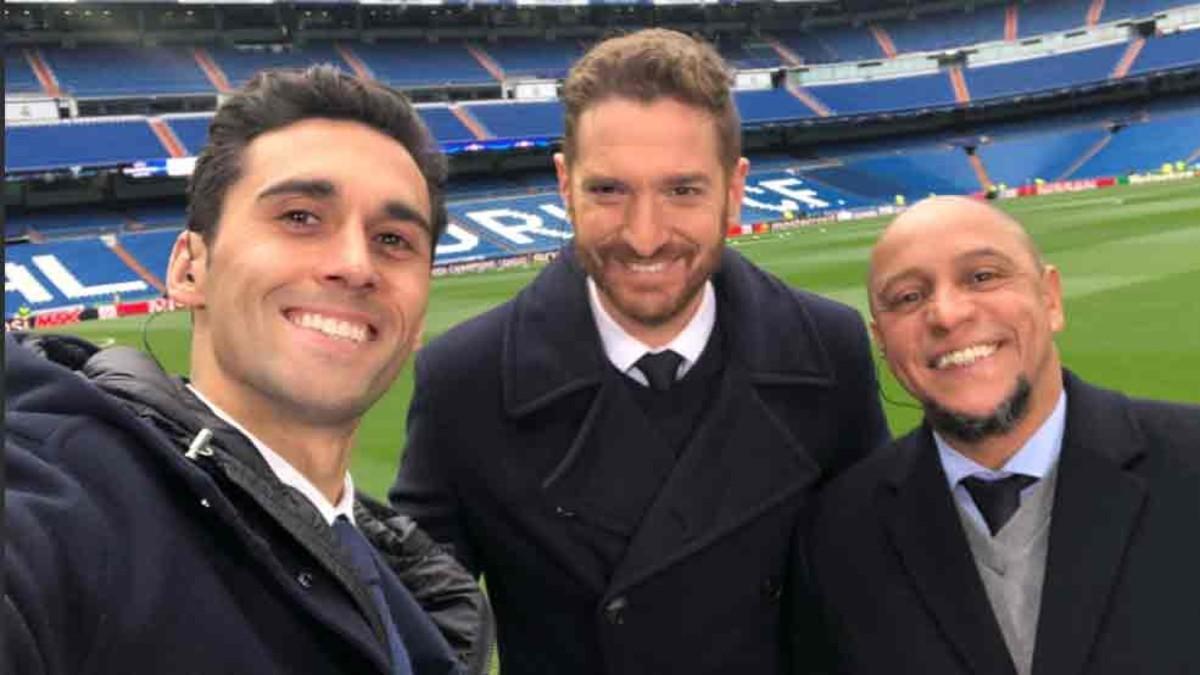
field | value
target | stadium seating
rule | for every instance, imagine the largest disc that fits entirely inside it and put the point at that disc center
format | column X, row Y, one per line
column 1051, row 16
column 82, row 143
column 758, row 107
column 1025, row 158
column 444, row 125
column 806, row 45
column 519, row 120
column 191, row 130
column 1146, row 146
column 847, row 43
column 1169, row 51
column 241, row 63
column 1135, row 9
column 150, row 216
column 419, row 64
column 906, row 93
column 748, row 53
column 914, row 173
column 535, row 58
column 1050, row 72
column 940, row 31
column 90, row 71
column 65, row 273
column 18, row 76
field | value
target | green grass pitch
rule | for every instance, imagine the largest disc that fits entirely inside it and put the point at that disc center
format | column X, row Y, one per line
column 1130, row 260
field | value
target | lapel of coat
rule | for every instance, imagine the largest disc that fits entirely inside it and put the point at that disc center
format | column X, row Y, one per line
column 923, row 525
column 1096, row 507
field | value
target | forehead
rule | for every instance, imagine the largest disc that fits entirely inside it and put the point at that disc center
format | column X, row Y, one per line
column 361, row 162
column 934, row 238
column 637, row 136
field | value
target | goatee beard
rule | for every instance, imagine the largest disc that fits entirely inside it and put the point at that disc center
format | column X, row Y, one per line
column 972, row 428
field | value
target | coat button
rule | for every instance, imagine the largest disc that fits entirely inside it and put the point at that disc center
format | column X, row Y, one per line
column 564, row 513
column 614, row 611
column 305, row 579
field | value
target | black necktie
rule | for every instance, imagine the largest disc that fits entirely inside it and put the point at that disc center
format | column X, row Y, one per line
column 660, row 368
column 997, row 500
column 360, row 551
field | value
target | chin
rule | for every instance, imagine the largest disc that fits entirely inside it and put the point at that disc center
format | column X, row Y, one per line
column 996, row 421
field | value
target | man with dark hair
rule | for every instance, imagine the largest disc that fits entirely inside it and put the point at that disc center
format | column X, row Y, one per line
column 1034, row 523
column 625, row 450
column 209, row 525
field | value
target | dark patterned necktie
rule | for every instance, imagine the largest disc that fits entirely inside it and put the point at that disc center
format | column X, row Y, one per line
column 361, row 554
column 997, row 500
column 660, row 369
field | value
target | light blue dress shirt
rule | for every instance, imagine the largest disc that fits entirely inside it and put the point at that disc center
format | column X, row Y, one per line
column 1039, row 454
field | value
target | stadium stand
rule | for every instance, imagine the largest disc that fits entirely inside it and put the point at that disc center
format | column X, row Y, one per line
column 82, row 143
column 535, row 58
column 1169, row 51
column 240, row 63
column 88, row 71
column 1146, row 146
column 805, row 45
column 62, row 222
column 66, row 273
column 914, row 173
column 1050, row 72
column 445, row 126
column 905, row 93
column 1135, row 9
column 1024, row 159
column 417, row 64
column 748, row 53
column 517, row 120
column 157, row 216
column 190, row 129
column 846, row 43
column 941, row 31
column 1051, row 16
column 18, row 76
column 758, row 107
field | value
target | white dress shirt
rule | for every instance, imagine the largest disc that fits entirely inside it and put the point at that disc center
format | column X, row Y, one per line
column 1039, row 454
column 623, row 350
column 288, row 475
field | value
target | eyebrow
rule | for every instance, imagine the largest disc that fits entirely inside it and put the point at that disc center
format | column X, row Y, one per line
column 319, row 188
column 981, row 252
column 687, row 179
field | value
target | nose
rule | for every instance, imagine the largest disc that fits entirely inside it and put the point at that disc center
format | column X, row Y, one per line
column 947, row 308
column 644, row 230
column 347, row 260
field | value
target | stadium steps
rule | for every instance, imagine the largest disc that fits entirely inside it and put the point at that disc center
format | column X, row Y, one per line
column 1011, row 23
column 489, row 64
column 1127, row 60
column 884, row 40
column 356, row 64
column 470, row 122
column 167, row 137
column 212, row 71
column 1195, row 156
column 806, row 97
column 114, row 245
column 43, row 71
column 786, row 55
column 1094, row 11
column 1086, row 156
column 958, row 82
column 980, row 170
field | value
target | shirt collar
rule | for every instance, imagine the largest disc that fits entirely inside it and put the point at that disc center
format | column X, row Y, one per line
column 1039, row 454
column 623, row 350
column 287, row 474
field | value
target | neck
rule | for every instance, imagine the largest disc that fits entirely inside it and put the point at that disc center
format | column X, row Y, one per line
column 994, row 452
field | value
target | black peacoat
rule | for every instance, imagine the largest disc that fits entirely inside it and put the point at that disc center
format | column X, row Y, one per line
column 519, row 441
column 1121, row 594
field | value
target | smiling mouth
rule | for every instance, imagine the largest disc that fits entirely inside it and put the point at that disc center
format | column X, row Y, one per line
column 338, row 329
column 961, row 358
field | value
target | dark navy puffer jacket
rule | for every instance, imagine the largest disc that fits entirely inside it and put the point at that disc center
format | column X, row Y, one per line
column 126, row 553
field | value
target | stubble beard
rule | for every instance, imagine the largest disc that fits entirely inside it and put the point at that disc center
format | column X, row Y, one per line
column 973, row 428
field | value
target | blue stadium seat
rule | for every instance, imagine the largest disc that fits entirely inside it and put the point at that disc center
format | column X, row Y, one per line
column 850, row 43
column 906, row 93
column 124, row 70
column 771, row 195
column 535, row 58
column 941, row 31
column 1051, row 16
column 807, row 45
column 1023, row 159
column 18, row 76
column 1043, row 74
column 83, row 143
column 513, row 225
column 420, row 64
column 748, row 53
column 444, row 126
column 1169, row 51
column 1146, row 146
column 914, row 173
column 65, row 273
column 241, row 63
column 1136, row 9
column 67, row 222
column 152, row 249
column 520, row 120
column 191, row 130
column 757, row 107
column 172, row 215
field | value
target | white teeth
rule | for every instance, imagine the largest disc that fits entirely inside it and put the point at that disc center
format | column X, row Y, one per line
column 965, row 357
column 354, row 332
column 646, row 267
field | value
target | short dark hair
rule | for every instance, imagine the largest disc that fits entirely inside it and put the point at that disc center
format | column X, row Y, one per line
column 274, row 99
column 648, row 65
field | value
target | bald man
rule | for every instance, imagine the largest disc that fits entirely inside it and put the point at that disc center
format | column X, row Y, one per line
column 1033, row 523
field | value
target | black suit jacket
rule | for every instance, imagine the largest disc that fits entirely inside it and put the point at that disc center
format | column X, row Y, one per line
column 1121, row 594
column 521, row 442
